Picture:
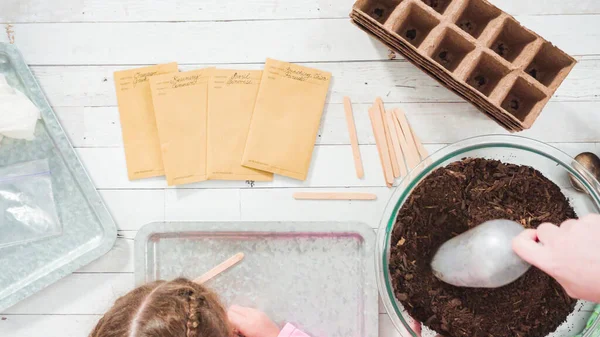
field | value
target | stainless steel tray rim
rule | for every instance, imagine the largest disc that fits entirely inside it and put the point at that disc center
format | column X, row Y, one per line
column 98, row 246
column 350, row 251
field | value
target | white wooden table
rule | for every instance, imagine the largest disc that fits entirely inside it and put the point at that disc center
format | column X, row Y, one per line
column 74, row 46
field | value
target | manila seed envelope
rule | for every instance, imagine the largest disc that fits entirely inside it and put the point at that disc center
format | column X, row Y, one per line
column 286, row 119
column 180, row 104
column 231, row 97
column 140, row 137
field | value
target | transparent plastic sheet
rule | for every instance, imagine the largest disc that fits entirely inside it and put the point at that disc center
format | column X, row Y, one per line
column 27, row 206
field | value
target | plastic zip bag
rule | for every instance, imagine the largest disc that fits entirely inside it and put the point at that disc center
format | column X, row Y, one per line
column 27, row 207
column 18, row 115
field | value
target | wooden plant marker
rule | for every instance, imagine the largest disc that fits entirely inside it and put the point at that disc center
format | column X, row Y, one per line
column 382, row 148
column 353, row 138
column 396, row 142
column 420, row 148
column 230, row 262
column 371, row 117
column 409, row 148
column 388, row 138
column 334, row 196
column 403, row 143
column 379, row 104
column 422, row 151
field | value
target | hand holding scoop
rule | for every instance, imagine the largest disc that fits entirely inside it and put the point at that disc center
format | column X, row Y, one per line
column 481, row 257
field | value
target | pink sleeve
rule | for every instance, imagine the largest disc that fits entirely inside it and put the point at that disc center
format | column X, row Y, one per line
column 291, row 331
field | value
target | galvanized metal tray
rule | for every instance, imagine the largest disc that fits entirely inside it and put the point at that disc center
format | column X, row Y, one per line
column 320, row 276
column 88, row 230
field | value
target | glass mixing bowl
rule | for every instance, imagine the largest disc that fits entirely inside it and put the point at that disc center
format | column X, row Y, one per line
column 551, row 162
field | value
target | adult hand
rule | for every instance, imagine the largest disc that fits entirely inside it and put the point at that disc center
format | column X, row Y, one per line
column 567, row 253
column 251, row 322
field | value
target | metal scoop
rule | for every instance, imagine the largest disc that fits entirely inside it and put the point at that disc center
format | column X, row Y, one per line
column 481, row 257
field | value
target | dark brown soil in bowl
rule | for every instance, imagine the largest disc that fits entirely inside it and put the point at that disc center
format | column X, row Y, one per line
column 452, row 200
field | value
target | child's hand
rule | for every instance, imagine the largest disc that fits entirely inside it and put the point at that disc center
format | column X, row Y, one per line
column 567, row 253
column 251, row 322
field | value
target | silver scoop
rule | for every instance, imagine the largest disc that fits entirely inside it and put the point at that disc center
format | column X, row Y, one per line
column 481, row 257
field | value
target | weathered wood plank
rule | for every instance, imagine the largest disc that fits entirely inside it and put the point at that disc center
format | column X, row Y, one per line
column 324, row 40
column 395, row 81
column 432, row 122
column 212, row 10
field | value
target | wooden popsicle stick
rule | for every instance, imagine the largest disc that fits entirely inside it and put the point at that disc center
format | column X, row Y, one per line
column 412, row 154
column 393, row 156
column 230, row 262
column 377, row 143
column 420, row 148
column 384, row 153
column 379, row 105
column 388, row 138
column 334, row 196
column 402, row 140
column 353, row 138
column 422, row 151
column 396, row 142
column 404, row 145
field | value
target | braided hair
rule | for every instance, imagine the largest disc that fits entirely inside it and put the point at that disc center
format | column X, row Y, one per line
column 193, row 320
column 179, row 308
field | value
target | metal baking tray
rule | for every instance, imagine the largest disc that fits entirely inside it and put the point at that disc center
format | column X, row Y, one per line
column 88, row 230
column 319, row 276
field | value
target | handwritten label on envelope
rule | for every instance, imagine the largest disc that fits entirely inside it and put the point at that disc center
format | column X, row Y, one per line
column 286, row 119
column 180, row 104
column 231, row 97
column 140, row 136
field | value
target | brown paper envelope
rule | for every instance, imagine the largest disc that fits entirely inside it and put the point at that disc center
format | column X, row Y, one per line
column 286, row 119
column 140, row 137
column 231, row 97
column 180, row 104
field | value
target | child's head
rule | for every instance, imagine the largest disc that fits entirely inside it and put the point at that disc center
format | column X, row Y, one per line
column 179, row 308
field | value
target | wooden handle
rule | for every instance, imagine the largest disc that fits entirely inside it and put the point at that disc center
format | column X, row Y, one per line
column 230, row 262
column 353, row 138
column 333, row 196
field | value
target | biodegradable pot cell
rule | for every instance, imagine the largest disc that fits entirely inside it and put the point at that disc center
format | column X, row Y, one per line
column 475, row 17
column 451, row 50
column 473, row 49
column 414, row 24
column 486, row 74
column 439, row 6
column 512, row 40
column 547, row 64
column 522, row 99
column 380, row 10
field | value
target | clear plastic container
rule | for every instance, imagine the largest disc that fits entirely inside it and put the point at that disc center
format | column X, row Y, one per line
column 551, row 162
